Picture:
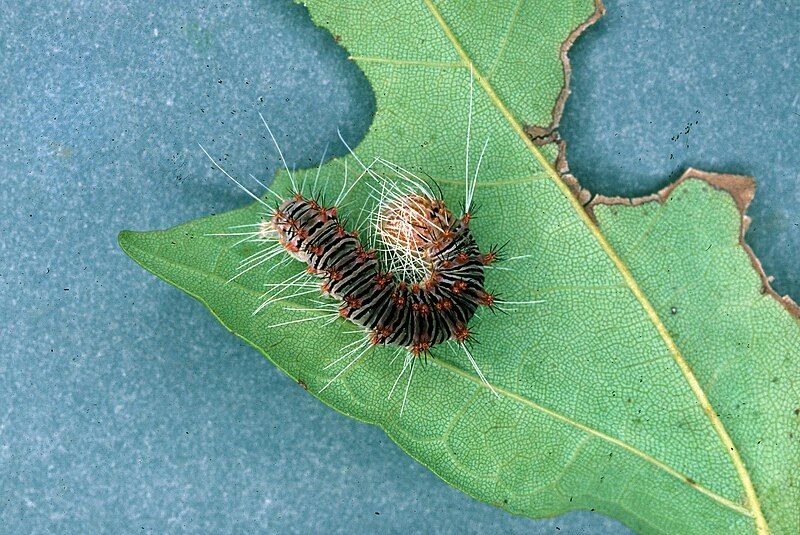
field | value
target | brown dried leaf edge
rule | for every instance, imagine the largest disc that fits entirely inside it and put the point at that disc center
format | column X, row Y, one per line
column 741, row 188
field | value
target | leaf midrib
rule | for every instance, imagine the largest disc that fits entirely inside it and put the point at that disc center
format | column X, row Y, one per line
column 719, row 428
column 129, row 249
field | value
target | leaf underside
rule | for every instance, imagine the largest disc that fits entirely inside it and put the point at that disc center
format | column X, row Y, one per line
column 658, row 383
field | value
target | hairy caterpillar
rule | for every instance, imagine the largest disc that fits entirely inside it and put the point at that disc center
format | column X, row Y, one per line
column 416, row 315
column 416, row 286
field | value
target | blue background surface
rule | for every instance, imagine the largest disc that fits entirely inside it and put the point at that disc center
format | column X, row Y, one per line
column 125, row 406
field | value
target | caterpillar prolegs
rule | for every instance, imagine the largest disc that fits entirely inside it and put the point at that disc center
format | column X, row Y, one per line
column 416, row 285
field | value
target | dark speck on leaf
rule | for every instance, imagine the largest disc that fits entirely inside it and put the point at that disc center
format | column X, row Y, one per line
column 673, row 311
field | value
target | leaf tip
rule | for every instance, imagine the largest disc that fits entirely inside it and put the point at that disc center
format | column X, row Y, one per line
column 130, row 242
column 125, row 238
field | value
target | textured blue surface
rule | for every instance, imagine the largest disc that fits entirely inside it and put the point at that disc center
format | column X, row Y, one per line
column 124, row 405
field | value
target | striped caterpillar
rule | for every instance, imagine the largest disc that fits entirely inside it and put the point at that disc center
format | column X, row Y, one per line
column 416, row 315
column 416, row 287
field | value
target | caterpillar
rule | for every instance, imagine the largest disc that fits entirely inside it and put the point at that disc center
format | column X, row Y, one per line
column 416, row 315
column 419, row 283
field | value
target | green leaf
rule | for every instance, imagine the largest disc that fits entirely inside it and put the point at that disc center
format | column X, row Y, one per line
column 657, row 384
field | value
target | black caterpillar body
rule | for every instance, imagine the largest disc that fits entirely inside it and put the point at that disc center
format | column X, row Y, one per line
column 416, row 315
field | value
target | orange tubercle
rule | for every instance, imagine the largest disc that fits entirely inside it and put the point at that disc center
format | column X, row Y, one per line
column 459, row 286
column 444, row 304
column 460, row 332
column 489, row 257
column 422, row 308
column 486, row 299
column 420, row 346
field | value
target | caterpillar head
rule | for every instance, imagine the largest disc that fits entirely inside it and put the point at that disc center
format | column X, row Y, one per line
column 413, row 223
